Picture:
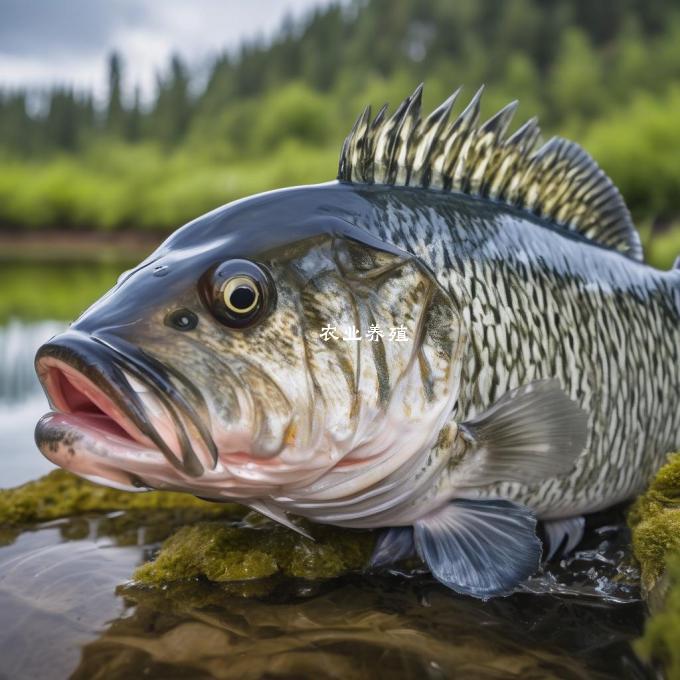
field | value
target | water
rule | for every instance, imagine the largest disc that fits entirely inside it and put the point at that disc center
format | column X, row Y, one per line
column 22, row 401
column 74, row 613
column 57, row 595
column 68, row 608
column 37, row 299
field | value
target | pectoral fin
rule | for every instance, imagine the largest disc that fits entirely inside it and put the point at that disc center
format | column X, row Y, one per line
column 393, row 544
column 530, row 434
column 479, row 548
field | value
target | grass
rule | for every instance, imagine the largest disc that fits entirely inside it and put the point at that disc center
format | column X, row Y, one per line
column 116, row 187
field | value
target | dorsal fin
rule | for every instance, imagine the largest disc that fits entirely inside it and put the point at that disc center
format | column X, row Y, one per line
column 558, row 181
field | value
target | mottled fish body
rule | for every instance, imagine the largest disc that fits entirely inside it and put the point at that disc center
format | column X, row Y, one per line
column 538, row 303
column 456, row 338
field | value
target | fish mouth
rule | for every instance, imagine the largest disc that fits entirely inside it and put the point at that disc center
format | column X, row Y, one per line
column 118, row 413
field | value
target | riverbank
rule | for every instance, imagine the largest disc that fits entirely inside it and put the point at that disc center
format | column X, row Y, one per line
column 128, row 247
column 77, row 245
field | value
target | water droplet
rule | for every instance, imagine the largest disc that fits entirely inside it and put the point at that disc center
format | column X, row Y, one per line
column 160, row 270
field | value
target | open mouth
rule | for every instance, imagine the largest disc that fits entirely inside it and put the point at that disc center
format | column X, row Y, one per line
column 73, row 394
column 123, row 404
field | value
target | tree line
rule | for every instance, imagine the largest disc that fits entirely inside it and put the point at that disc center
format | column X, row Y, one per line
column 556, row 51
column 274, row 113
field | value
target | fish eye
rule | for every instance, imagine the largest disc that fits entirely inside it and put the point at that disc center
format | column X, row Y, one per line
column 238, row 292
column 241, row 295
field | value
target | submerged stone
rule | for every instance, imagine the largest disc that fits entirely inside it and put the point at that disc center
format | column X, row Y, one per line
column 221, row 553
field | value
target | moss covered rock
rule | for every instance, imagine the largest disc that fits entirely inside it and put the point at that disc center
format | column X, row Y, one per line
column 661, row 641
column 221, row 553
column 62, row 494
column 655, row 522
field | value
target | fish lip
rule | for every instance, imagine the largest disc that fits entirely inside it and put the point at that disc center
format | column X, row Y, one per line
column 82, row 444
column 96, row 370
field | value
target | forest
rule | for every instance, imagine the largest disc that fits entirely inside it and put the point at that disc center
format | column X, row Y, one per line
column 606, row 74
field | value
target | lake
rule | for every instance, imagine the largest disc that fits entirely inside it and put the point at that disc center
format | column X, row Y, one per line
column 22, row 400
column 37, row 300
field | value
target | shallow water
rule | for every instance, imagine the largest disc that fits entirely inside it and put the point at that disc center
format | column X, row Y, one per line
column 22, row 401
column 65, row 589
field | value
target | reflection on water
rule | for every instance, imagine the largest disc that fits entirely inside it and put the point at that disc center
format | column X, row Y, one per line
column 54, row 597
column 64, row 587
column 52, row 290
column 357, row 629
column 18, row 344
column 21, row 400
column 30, row 291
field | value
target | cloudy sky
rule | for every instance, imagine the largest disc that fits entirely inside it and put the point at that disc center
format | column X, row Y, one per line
column 67, row 41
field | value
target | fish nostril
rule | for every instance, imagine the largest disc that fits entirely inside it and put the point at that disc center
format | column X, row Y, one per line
column 182, row 320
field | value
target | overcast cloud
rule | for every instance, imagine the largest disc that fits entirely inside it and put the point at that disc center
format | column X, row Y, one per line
column 45, row 42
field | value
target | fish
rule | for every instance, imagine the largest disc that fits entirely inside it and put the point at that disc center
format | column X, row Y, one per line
column 454, row 340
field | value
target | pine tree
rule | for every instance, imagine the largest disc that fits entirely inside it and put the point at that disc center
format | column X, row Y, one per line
column 115, row 112
column 173, row 106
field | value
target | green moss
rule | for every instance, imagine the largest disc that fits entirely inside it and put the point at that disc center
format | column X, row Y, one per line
column 61, row 494
column 655, row 522
column 222, row 553
column 661, row 641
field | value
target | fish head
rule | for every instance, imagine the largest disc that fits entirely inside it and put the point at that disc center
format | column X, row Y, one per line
column 261, row 348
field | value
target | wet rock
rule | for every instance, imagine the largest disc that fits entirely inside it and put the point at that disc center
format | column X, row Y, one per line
column 222, row 553
column 661, row 640
column 231, row 550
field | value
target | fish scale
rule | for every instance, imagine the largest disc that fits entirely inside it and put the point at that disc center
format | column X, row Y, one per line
column 618, row 331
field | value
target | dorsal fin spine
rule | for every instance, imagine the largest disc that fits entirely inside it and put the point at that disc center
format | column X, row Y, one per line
column 558, row 181
column 407, row 129
column 512, row 152
column 430, row 132
column 393, row 143
column 487, row 147
column 465, row 133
